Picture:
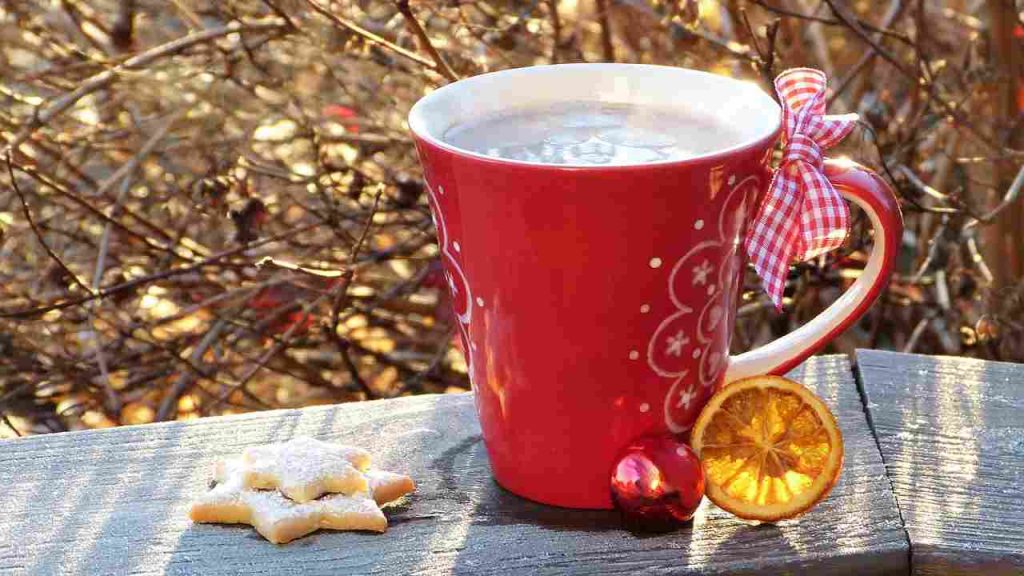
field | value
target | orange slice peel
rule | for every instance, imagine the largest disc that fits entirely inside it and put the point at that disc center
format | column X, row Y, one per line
column 769, row 447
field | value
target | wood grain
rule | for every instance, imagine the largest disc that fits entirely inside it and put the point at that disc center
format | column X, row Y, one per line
column 115, row 501
column 951, row 432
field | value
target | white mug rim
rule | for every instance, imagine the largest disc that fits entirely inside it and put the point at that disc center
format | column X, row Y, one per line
column 418, row 115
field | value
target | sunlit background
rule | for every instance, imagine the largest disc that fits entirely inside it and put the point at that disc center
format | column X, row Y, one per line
column 218, row 207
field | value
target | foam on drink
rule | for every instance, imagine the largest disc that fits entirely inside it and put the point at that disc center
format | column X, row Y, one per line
column 592, row 133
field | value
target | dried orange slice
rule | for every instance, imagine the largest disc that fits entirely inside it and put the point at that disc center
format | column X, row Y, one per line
column 770, row 448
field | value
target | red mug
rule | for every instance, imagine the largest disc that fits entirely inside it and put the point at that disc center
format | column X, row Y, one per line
column 595, row 304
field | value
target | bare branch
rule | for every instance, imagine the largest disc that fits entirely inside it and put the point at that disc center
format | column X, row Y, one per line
column 169, row 405
column 414, row 25
column 370, row 36
column 38, row 233
column 604, row 20
column 215, row 259
column 1012, row 195
column 103, row 79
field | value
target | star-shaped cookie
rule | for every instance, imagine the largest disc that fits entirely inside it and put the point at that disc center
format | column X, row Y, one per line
column 281, row 520
column 305, row 468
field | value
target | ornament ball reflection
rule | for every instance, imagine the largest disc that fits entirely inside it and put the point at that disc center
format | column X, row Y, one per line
column 657, row 484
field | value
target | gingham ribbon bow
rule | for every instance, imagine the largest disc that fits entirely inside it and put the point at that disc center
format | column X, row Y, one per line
column 802, row 215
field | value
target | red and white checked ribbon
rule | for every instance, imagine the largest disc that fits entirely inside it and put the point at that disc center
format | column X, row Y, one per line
column 802, row 215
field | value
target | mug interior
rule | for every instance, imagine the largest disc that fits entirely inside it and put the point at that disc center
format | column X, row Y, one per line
column 750, row 113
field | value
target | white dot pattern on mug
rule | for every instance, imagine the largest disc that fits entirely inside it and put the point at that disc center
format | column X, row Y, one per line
column 645, row 407
column 655, row 262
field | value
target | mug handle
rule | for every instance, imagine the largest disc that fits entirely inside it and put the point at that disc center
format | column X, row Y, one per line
column 867, row 190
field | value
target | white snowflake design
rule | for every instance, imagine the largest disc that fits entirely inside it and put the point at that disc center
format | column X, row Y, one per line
column 700, row 273
column 685, row 397
column 676, row 343
column 669, row 341
column 657, row 343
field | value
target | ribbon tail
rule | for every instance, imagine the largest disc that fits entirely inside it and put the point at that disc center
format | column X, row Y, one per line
column 824, row 216
column 774, row 235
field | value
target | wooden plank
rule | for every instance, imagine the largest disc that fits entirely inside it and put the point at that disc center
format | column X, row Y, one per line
column 115, row 502
column 951, row 432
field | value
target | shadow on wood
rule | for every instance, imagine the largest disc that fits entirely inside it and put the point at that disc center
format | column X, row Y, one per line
column 115, row 502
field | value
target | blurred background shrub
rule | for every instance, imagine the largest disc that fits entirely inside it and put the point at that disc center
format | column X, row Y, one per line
column 212, row 207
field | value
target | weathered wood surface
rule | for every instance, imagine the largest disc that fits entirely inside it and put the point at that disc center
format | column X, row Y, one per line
column 951, row 431
column 115, row 502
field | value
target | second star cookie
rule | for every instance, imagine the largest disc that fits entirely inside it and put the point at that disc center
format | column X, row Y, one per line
column 281, row 520
column 305, row 468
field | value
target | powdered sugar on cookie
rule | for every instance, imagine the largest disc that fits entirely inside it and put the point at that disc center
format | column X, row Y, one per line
column 305, row 468
column 280, row 519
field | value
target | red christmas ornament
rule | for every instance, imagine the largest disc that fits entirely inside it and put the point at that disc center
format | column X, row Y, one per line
column 657, row 484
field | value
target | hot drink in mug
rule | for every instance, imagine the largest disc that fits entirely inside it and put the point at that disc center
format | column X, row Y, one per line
column 591, row 220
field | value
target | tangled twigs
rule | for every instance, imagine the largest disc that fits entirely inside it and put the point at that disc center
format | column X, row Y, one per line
column 765, row 56
column 341, row 301
column 1012, row 195
column 138, row 62
column 948, row 108
column 841, row 84
column 169, row 405
column 338, row 292
column 92, row 210
column 109, row 291
column 68, row 273
column 270, row 353
column 113, row 402
column 414, row 25
column 134, row 128
column 782, row 11
column 371, row 37
column 604, row 20
column 130, row 149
